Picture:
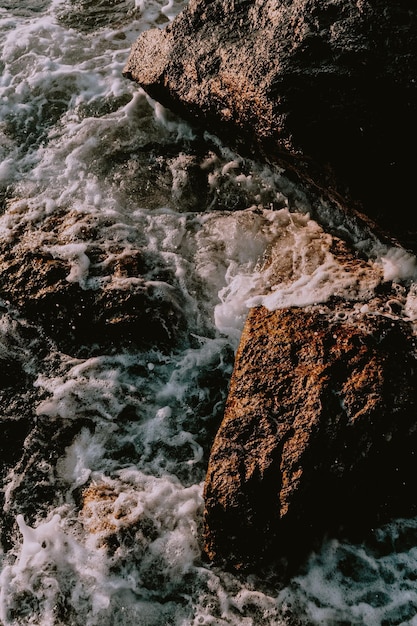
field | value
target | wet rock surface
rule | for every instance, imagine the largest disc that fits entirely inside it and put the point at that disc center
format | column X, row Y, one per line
column 325, row 89
column 319, row 433
column 319, row 429
column 85, row 297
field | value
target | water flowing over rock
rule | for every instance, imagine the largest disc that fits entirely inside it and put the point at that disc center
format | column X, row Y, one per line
column 30, row 442
column 326, row 89
column 132, row 245
column 84, row 297
column 319, row 433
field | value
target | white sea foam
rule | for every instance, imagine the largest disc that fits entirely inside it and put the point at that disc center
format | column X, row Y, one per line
column 87, row 164
column 55, row 558
column 399, row 265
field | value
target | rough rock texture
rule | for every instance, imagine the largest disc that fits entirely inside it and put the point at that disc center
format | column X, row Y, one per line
column 116, row 519
column 319, row 433
column 319, row 430
column 86, row 297
column 325, row 88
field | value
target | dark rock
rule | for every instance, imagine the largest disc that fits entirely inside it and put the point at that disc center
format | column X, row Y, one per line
column 319, row 433
column 326, row 89
column 31, row 485
column 120, row 299
column 13, row 432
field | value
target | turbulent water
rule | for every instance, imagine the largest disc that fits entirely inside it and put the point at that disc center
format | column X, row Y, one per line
column 106, row 525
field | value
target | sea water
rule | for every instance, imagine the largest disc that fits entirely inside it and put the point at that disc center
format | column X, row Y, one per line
column 119, row 542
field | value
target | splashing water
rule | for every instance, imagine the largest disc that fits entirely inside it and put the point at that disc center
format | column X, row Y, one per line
column 103, row 482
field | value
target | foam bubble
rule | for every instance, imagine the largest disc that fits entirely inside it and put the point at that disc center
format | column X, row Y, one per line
column 6, row 170
column 275, row 259
column 399, row 265
column 75, row 253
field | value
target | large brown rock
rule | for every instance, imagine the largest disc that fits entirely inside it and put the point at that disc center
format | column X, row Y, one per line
column 325, row 88
column 319, row 433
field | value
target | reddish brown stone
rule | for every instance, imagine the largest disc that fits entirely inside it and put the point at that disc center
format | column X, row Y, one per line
column 319, row 433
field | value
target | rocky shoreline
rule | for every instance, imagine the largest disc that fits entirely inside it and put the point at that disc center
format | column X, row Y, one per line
column 319, row 432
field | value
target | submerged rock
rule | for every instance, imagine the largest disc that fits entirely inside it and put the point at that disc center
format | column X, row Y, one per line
column 89, row 295
column 30, row 443
column 319, row 433
column 326, row 89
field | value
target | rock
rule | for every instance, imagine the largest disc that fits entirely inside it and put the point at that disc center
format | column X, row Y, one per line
column 94, row 283
column 325, row 89
column 319, row 434
column 31, row 485
column 86, row 297
column 117, row 519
